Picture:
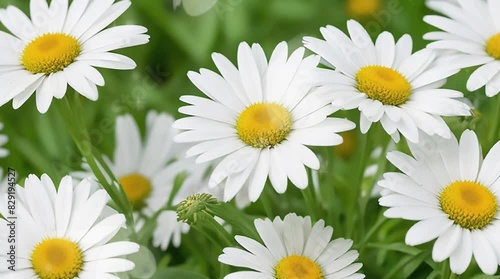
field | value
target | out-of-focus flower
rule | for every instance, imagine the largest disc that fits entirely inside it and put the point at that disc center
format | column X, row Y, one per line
column 470, row 36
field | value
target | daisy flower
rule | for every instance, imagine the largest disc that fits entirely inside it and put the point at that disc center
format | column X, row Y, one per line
column 258, row 119
column 147, row 171
column 293, row 248
column 62, row 44
column 453, row 194
column 63, row 234
column 386, row 82
column 470, row 34
column 3, row 140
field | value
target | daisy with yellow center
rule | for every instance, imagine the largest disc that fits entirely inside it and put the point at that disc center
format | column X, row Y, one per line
column 259, row 118
column 469, row 36
column 61, row 45
column 453, row 194
column 64, row 234
column 291, row 250
column 147, row 170
column 386, row 82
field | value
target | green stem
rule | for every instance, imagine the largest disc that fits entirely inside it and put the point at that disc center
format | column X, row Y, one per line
column 494, row 131
column 309, row 194
column 380, row 221
column 265, row 200
column 357, row 193
column 71, row 113
column 218, row 229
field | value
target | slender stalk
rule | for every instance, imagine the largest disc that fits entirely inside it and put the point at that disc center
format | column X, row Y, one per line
column 380, row 221
column 265, row 200
column 310, row 200
column 357, row 191
column 495, row 128
column 71, row 112
column 219, row 230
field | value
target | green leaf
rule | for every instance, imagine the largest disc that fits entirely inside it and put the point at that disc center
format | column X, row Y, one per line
column 177, row 274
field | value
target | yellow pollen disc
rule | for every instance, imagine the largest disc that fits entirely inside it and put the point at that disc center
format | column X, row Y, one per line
column 264, row 125
column 383, row 84
column 137, row 187
column 493, row 46
column 50, row 53
column 298, row 267
column 348, row 146
column 57, row 258
column 469, row 204
column 362, row 8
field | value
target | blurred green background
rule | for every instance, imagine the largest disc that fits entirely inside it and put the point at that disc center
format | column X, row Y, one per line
column 180, row 43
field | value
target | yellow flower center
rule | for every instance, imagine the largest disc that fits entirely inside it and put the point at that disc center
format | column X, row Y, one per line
column 137, row 188
column 362, row 8
column 50, row 53
column 264, row 125
column 298, row 267
column 470, row 204
column 348, row 147
column 493, row 46
column 383, row 84
column 57, row 258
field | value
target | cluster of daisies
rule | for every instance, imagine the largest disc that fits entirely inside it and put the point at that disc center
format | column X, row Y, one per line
column 257, row 123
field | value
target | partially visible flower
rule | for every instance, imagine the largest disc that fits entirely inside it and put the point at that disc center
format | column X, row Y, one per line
column 3, row 140
column 348, row 146
column 293, row 248
column 470, row 36
column 453, row 194
column 361, row 9
column 195, row 7
column 63, row 233
column 259, row 118
column 147, row 171
column 61, row 45
column 386, row 82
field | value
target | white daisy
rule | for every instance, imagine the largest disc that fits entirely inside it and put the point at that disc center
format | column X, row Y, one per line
column 61, row 45
column 147, row 171
column 3, row 140
column 471, row 35
column 453, row 194
column 386, row 82
column 259, row 118
column 195, row 7
column 62, row 233
column 293, row 248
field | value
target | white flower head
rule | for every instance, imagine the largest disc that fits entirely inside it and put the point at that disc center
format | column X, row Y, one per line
column 386, row 82
column 470, row 36
column 147, row 170
column 3, row 140
column 258, row 118
column 62, row 44
column 453, row 194
column 63, row 233
column 293, row 248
